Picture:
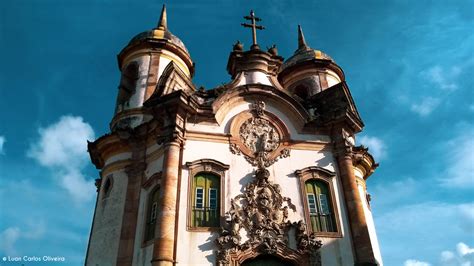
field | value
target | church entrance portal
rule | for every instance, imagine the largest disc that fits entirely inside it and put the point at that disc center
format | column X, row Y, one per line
column 266, row 260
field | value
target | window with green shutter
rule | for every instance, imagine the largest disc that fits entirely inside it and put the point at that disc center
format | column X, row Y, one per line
column 205, row 209
column 319, row 205
column 152, row 213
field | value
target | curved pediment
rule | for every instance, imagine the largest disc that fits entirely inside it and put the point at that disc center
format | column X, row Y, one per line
column 251, row 93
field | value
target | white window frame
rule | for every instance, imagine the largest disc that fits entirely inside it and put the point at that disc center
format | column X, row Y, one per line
column 209, row 198
column 308, row 195
column 202, row 198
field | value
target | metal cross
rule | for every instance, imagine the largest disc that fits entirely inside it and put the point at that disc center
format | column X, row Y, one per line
column 254, row 26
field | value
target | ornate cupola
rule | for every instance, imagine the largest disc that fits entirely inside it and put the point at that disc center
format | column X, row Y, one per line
column 254, row 66
column 309, row 71
column 148, row 64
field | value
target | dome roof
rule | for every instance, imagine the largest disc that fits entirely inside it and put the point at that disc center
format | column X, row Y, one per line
column 158, row 35
column 304, row 53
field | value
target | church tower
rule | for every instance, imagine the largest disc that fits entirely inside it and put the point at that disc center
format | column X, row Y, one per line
column 262, row 170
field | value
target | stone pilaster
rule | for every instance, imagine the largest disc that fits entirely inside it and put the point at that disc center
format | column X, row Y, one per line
column 164, row 248
column 134, row 173
column 364, row 254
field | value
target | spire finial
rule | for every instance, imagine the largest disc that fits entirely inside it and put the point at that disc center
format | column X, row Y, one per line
column 301, row 40
column 162, row 24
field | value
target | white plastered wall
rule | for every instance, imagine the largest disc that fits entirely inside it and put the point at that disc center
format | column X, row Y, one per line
column 105, row 237
column 197, row 248
column 369, row 218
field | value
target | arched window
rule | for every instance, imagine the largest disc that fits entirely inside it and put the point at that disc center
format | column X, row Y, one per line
column 319, row 206
column 206, row 200
column 152, row 213
column 127, row 85
column 319, row 201
column 206, row 183
column 301, row 91
column 107, row 186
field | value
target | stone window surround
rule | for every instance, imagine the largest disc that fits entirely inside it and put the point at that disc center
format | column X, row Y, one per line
column 205, row 166
column 151, row 185
column 319, row 173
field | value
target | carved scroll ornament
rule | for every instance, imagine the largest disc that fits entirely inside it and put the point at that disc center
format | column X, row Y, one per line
column 260, row 214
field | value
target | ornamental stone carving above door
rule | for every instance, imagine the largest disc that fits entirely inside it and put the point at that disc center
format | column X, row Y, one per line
column 257, row 224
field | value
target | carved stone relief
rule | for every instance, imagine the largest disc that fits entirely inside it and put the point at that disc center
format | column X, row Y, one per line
column 259, row 134
column 261, row 214
column 260, row 138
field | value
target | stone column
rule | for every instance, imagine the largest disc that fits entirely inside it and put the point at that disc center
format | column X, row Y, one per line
column 164, row 247
column 364, row 254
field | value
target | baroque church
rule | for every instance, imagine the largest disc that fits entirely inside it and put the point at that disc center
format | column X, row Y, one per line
column 262, row 170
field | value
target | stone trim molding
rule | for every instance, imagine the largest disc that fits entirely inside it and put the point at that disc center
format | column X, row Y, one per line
column 205, row 166
column 319, row 173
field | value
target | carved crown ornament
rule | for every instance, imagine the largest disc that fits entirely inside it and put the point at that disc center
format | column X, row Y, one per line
column 259, row 136
column 257, row 223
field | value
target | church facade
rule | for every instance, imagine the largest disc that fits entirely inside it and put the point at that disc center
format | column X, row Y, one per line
column 262, row 170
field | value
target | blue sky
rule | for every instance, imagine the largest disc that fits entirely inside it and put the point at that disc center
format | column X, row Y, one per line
column 409, row 64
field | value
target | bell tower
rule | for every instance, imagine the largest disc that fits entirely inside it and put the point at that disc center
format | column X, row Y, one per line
column 146, row 58
column 260, row 170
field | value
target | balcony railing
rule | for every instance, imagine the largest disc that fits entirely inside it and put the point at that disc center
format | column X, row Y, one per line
column 322, row 222
column 205, row 217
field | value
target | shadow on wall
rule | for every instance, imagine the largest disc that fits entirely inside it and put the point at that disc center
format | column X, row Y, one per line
column 210, row 245
column 325, row 161
column 245, row 180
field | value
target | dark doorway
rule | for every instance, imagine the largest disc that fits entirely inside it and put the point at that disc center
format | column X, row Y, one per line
column 266, row 260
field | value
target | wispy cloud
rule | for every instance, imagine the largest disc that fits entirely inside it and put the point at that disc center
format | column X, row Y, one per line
column 2, row 142
column 464, row 256
column 406, row 187
column 443, row 78
column 415, row 263
column 11, row 235
column 459, row 154
column 8, row 239
column 426, row 106
column 62, row 147
column 376, row 146
column 420, row 224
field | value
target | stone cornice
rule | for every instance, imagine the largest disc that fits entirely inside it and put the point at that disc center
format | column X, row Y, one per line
column 364, row 161
column 335, row 105
column 253, row 60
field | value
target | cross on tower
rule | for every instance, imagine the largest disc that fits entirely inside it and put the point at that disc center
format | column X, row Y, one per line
column 254, row 27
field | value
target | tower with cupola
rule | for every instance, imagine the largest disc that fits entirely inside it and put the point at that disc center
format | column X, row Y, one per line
column 262, row 170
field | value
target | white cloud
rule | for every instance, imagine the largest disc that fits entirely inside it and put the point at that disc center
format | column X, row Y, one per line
column 426, row 106
column 405, row 187
column 11, row 235
column 415, row 263
column 463, row 256
column 376, row 146
column 8, row 239
column 2, row 142
column 62, row 147
column 460, row 161
column 422, row 225
column 443, row 78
